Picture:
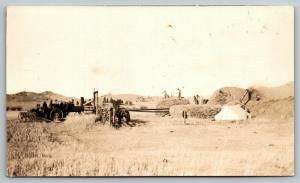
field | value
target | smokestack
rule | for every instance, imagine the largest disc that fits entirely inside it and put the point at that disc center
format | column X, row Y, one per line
column 81, row 101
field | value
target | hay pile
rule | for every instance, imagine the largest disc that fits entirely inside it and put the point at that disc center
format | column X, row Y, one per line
column 167, row 103
column 274, row 102
column 196, row 111
column 261, row 102
column 272, row 109
column 227, row 95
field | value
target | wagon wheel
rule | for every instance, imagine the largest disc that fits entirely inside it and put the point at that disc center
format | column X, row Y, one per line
column 107, row 115
column 56, row 115
column 32, row 116
column 102, row 116
column 125, row 116
column 98, row 115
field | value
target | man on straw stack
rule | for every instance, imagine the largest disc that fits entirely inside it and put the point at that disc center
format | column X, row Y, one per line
column 179, row 93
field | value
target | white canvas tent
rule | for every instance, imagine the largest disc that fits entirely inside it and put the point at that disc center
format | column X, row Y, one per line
column 232, row 113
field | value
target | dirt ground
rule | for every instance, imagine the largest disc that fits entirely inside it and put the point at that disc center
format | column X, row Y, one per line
column 150, row 146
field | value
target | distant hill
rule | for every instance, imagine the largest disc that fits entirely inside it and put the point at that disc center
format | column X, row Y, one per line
column 133, row 97
column 124, row 97
column 36, row 97
column 28, row 100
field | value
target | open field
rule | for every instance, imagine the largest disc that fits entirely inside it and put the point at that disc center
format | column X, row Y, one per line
column 165, row 84
column 150, row 146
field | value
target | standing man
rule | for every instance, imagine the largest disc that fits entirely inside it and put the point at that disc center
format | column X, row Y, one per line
column 45, row 107
column 165, row 94
column 179, row 93
column 197, row 99
column 184, row 116
column 51, row 103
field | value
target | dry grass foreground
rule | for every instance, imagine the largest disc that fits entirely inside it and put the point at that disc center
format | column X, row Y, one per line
column 155, row 146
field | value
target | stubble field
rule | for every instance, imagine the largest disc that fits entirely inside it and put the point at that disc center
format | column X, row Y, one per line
column 150, row 146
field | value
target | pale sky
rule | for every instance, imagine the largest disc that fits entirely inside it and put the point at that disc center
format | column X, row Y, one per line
column 146, row 50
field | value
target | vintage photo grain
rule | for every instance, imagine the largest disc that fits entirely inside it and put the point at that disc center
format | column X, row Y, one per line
column 150, row 91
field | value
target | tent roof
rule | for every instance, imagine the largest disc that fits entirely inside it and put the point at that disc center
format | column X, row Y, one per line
column 232, row 112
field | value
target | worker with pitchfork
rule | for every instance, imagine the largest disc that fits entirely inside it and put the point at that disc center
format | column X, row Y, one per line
column 179, row 93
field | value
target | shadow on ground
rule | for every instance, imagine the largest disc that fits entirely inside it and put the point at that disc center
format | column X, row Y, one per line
column 136, row 122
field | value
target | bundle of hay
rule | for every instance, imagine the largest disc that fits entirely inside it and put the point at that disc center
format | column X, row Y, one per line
column 196, row 111
column 168, row 102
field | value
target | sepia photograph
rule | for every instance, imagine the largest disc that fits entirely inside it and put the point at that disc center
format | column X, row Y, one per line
column 150, row 91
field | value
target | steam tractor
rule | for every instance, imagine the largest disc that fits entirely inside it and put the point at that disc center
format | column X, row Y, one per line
column 56, row 112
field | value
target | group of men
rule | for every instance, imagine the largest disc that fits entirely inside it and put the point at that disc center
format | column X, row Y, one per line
column 61, row 105
column 196, row 99
column 167, row 96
